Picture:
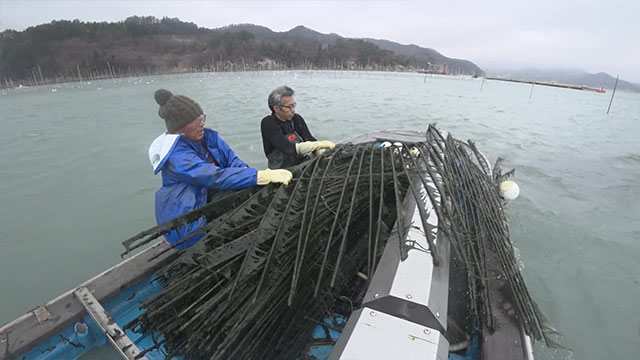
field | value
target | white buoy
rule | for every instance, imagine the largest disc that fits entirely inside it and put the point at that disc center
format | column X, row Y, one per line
column 397, row 144
column 509, row 190
column 385, row 144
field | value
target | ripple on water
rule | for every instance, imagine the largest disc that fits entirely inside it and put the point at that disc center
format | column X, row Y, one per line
column 627, row 159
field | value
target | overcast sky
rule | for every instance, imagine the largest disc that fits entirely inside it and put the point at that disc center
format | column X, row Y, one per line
column 595, row 36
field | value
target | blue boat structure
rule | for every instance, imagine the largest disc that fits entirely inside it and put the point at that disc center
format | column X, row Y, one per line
column 411, row 302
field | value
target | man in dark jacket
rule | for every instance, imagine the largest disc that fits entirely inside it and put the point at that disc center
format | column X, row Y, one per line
column 195, row 161
column 286, row 138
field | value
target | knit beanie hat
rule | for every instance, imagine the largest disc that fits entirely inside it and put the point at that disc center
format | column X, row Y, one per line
column 176, row 110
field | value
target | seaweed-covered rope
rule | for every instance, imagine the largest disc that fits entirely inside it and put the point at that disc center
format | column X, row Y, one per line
column 273, row 259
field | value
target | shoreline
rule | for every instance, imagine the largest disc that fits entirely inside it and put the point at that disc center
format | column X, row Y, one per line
column 8, row 84
column 552, row 84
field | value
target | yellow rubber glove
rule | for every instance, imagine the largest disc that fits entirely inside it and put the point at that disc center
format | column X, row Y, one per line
column 278, row 176
column 309, row 146
column 326, row 144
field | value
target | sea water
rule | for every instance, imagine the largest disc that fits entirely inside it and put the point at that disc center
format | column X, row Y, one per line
column 75, row 178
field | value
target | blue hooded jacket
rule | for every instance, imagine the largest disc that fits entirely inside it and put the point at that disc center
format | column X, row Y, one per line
column 187, row 177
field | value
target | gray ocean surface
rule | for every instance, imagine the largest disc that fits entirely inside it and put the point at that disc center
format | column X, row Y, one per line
column 75, row 178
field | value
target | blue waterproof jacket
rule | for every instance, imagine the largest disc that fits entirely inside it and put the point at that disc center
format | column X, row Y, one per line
column 187, row 177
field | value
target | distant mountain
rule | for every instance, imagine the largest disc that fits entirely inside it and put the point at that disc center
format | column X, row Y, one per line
column 256, row 30
column 419, row 56
column 568, row 76
column 298, row 33
column 430, row 56
column 413, row 50
column 604, row 80
column 301, row 32
column 66, row 50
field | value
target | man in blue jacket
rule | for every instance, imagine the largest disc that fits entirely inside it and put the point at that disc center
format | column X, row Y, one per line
column 195, row 161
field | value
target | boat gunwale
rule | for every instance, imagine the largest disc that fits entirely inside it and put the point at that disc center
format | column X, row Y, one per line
column 65, row 309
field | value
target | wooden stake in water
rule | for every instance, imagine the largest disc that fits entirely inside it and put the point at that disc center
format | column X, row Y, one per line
column 614, row 92
column 482, row 85
column 532, row 85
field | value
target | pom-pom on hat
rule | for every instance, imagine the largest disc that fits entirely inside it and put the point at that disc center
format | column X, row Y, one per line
column 176, row 110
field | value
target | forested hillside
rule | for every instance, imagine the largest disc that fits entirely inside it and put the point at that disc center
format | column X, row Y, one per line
column 74, row 50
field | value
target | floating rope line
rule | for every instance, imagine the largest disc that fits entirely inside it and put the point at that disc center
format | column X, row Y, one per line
column 273, row 259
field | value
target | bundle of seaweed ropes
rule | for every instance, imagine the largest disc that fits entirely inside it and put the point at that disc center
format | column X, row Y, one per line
column 273, row 259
